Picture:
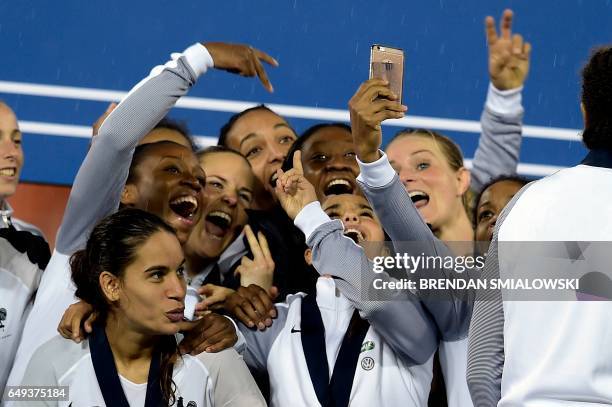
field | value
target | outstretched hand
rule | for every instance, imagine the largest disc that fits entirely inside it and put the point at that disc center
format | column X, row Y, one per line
column 293, row 190
column 508, row 54
column 372, row 103
column 241, row 59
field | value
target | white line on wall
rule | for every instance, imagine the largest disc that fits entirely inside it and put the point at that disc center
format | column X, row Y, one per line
column 300, row 112
column 69, row 130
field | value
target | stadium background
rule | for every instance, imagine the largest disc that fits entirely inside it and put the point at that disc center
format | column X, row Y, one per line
column 63, row 62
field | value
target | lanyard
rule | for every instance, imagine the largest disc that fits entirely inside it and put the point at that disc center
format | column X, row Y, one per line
column 108, row 378
column 335, row 392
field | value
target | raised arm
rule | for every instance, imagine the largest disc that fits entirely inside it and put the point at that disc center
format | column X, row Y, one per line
column 98, row 185
column 502, row 118
column 395, row 209
column 401, row 318
column 100, row 180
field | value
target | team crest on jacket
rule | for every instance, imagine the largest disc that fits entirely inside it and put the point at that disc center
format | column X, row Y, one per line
column 3, row 314
column 367, row 363
column 367, row 345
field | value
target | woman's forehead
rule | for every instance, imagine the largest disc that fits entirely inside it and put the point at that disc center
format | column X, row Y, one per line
column 414, row 144
column 345, row 202
column 169, row 149
column 254, row 122
column 227, row 165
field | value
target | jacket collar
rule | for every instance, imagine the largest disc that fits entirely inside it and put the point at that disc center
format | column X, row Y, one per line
column 598, row 158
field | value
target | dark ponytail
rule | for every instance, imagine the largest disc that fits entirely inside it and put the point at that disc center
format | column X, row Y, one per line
column 111, row 248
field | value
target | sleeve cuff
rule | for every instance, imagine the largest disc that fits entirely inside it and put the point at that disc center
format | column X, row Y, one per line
column 240, row 344
column 310, row 218
column 198, row 58
column 376, row 174
column 505, row 102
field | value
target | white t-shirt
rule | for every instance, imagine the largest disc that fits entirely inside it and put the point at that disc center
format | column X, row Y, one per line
column 135, row 393
column 208, row 379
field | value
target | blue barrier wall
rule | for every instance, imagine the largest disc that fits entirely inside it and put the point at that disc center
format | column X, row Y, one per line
column 323, row 49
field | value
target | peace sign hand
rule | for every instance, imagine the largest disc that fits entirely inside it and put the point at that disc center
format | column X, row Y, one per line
column 242, row 60
column 260, row 270
column 509, row 55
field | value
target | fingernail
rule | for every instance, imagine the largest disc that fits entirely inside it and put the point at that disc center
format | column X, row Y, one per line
column 404, row 108
column 261, row 326
column 250, row 324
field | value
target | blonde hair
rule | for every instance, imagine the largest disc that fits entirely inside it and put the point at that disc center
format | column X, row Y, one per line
column 452, row 153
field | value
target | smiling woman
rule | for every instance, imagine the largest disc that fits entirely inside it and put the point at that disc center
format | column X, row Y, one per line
column 11, row 154
column 430, row 166
column 264, row 138
column 165, row 178
column 11, row 163
column 328, row 158
column 229, row 190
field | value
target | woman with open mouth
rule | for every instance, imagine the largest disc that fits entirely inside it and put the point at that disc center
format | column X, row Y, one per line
column 419, row 186
column 132, row 272
column 319, row 350
column 164, row 178
column 229, row 190
column 264, row 138
column 430, row 165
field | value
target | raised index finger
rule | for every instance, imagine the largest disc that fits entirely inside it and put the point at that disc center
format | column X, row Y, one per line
column 297, row 162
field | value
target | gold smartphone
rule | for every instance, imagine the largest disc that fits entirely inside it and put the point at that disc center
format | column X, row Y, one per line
column 388, row 63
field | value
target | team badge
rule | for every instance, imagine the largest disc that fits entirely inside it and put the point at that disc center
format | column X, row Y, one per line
column 367, row 345
column 189, row 404
column 367, row 363
column 2, row 317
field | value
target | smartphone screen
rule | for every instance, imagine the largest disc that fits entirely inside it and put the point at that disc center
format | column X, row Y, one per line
column 388, row 63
